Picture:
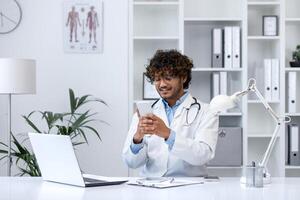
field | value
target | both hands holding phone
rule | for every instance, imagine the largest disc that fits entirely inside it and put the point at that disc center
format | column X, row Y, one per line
column 149, row 124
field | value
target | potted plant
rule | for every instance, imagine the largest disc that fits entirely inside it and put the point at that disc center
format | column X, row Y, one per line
column 76, row 123
column 296, row 57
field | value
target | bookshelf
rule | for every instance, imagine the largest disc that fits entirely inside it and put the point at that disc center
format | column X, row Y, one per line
column 186, row 25
column 291, row 39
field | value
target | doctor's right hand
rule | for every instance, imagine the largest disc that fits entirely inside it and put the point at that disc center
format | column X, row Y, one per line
column 143, row 125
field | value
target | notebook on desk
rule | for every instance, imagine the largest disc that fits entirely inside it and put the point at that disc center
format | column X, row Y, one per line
column 58, row 163
column 163, row 182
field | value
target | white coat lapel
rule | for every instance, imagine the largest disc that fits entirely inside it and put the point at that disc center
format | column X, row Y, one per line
column 184, row 105
column 159, row 110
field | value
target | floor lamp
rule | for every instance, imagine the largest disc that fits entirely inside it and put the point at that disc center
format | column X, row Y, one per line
column 17, row 76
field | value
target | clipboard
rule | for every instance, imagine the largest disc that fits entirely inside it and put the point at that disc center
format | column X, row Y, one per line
column 163, row 182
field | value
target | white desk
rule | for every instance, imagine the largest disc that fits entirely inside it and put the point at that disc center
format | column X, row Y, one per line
column 26, row 188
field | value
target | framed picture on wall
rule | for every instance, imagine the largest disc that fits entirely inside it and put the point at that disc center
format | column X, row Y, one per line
column 270, row 25
column 83, row 26
column 149, row 90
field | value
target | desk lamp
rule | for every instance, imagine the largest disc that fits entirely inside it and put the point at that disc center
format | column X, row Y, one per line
column 223, row 102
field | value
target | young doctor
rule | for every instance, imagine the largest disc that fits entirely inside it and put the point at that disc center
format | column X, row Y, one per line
column 183, row 130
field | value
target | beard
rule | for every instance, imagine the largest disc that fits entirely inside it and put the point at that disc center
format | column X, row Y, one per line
column 170, row 93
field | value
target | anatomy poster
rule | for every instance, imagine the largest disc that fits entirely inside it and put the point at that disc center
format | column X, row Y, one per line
column 83, row 26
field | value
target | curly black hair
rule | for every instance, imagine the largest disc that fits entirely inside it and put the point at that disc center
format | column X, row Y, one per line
column 171, row 63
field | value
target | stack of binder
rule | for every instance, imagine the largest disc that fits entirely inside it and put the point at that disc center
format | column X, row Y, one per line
column 271, row 81
column 219, row 84
column 226, row 47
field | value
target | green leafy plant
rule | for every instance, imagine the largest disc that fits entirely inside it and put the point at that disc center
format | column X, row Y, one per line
column 74, row 123
column 21, row 153
column 296, row 54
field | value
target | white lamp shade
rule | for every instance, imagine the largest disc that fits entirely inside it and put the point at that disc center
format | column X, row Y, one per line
column 17, row 76
column 223, row 102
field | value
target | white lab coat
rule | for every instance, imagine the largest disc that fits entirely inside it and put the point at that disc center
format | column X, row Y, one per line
column 194, row 144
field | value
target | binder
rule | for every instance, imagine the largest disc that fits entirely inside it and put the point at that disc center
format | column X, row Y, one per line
column 275, row 79
column 292, row 82
column 230, row 147
column 227, row 47
column 215, row 81
column 217, row 48
column 286, row 146
column 294, row 158
column 268, row 79
column 236, row 46
column 223, row 83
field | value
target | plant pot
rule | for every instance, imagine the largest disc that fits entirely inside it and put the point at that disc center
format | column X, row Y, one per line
column 295, row 63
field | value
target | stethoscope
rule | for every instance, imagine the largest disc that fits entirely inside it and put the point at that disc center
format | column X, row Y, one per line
column 192, row 111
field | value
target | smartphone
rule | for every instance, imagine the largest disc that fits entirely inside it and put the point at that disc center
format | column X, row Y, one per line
column 144, row 107
column 211, row 178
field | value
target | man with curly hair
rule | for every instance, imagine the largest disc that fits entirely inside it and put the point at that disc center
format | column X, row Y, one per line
column 183, row 130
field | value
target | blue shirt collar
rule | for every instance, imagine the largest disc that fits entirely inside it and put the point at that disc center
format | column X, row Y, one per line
column 178, row 102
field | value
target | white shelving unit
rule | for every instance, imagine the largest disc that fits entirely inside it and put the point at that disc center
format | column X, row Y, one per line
column 292, row 30
column 156, row 38
column 293, row 114
column 258, row 102
column 289, row 69
column 202, row 19
column 260, row 123
column 263, row 38
column 231, row 114
column 205, row 69
column 292, row 167
column 292, row 19
column 186, row 25
column 259, row 135
column 263, row 3
column 156, row 3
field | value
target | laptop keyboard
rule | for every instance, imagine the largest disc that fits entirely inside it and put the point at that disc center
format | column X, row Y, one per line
column 90, row 180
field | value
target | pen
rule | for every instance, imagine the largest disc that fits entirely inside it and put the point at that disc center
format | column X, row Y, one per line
column 144, row 181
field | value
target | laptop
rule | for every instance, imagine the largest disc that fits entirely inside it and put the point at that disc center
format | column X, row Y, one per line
column 58, row 163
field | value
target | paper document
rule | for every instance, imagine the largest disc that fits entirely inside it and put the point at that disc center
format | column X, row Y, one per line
column 163, row 182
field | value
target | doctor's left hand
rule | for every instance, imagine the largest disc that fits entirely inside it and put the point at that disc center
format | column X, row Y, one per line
column 158, row 127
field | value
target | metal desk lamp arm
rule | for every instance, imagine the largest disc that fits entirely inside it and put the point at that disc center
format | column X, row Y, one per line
column 279, row 119
column 252, row 88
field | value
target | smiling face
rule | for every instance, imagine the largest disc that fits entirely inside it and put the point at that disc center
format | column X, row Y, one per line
column 170, row 71
column 169, row 88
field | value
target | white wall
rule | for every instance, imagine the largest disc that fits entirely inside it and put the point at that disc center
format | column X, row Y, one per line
column 39, row 36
